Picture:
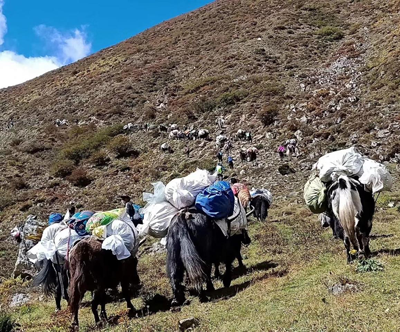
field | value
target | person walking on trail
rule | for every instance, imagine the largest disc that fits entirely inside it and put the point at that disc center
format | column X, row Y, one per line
column 130, row 210
column 281, row 151
column 291, row 148
column 219, row 156
column 220, row 171
column 187, row 151
column 230, row 162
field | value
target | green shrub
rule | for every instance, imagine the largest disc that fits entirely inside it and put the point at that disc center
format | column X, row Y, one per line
column 79, row 178
column 204, row 105
column 85, row 145
column 268, row 115
column 231, row 98
column 6, row 198
column 330, row 33
column 7, row 324
column 99, row 158
column 120, row 145
column 62, row 168
column 369, row 265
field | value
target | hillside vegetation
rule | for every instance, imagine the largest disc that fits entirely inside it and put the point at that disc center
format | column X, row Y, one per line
column 327, row 71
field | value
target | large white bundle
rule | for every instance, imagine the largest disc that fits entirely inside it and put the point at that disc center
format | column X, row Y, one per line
column 182, row 192
column 158, row 195
column 46, row 248
column 262, row 192
column 65, row 240
column 375, row 176
column 116, row 244
column 157, row 218
column 348, row 162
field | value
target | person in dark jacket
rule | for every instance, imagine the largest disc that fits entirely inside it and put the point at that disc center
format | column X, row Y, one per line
column 130, row 210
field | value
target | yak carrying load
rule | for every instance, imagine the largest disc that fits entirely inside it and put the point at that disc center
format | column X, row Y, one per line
column 198, row 190
column 349, row 162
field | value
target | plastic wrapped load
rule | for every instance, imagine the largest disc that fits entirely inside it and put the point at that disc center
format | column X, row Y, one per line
column 261, row 200
column 65, row 240
column 237, row 224
column 157, row 218
column 79, row 221
column 158, row 196
column 262, row 192
column 45, row 249
column 315, row 195
column 182, row 192
column 217, row 201
column 348, row 162
column 375, row 176
column 102, row 219
column 121, row 239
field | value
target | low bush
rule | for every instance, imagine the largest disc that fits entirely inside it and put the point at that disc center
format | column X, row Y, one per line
column 231, row 98
column 18, row 184
column 79, row 178
column 120, row 145
column 268, row 115
column 6, row 198
column 62, row 168
column 7, row 324
column 204, row 105
column 99, row 159
column 330, row 33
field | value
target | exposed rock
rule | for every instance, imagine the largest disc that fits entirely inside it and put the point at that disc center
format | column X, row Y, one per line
column 342, row 288
column 383, row 133
column 19, row 299
column 188, row 323
column 31, row 233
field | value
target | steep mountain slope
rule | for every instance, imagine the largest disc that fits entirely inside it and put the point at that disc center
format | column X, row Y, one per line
column 327, row 71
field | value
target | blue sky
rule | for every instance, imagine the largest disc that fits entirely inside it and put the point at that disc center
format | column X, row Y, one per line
column 37, row 36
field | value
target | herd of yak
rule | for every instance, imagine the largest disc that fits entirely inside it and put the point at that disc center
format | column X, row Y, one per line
column 194, row 246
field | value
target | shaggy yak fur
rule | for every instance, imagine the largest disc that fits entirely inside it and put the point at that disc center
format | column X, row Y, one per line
column 94, row 269
column 194, row 243
column 350, row 205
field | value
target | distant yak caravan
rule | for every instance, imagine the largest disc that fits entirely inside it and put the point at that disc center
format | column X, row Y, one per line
column 202, row 220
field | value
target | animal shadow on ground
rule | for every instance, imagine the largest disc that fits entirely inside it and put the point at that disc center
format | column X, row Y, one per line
column 380, row 236
column 391, row 252
column 262, row 266
column 226, row 293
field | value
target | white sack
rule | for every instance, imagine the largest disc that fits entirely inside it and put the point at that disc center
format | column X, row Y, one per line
column 65, row 240
column 158, row 195
column 127, row 230
column 157, row 218
column 330, row 166
column 262, row 192
column 182, row 192
column 375, row 176
column 115, row 243
column 45, row 249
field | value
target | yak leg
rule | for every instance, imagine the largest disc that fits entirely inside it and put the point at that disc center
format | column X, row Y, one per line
column 217, row 274
column 96, row 299
column 347, row 245
column 210, row 286
column 176, row 277
column 127, row 295
column 58, row 297
column 102, row 299
column 361, row 252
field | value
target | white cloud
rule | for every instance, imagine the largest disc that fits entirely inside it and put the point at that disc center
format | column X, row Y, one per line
column 3, row 23
column 16, row 68
column 64, row 48
column 68, row 47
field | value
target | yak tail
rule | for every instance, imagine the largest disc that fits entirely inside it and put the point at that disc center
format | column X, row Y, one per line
column 189, row 255
column 47, row 277
column 347, row 209
column 79, row 257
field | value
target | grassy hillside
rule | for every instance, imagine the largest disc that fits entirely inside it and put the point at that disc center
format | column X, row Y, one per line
column 327, row 71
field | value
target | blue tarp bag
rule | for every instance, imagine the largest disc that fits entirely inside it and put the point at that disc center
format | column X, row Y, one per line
column 55, row 217
column 80, row 219
column 217, row 201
